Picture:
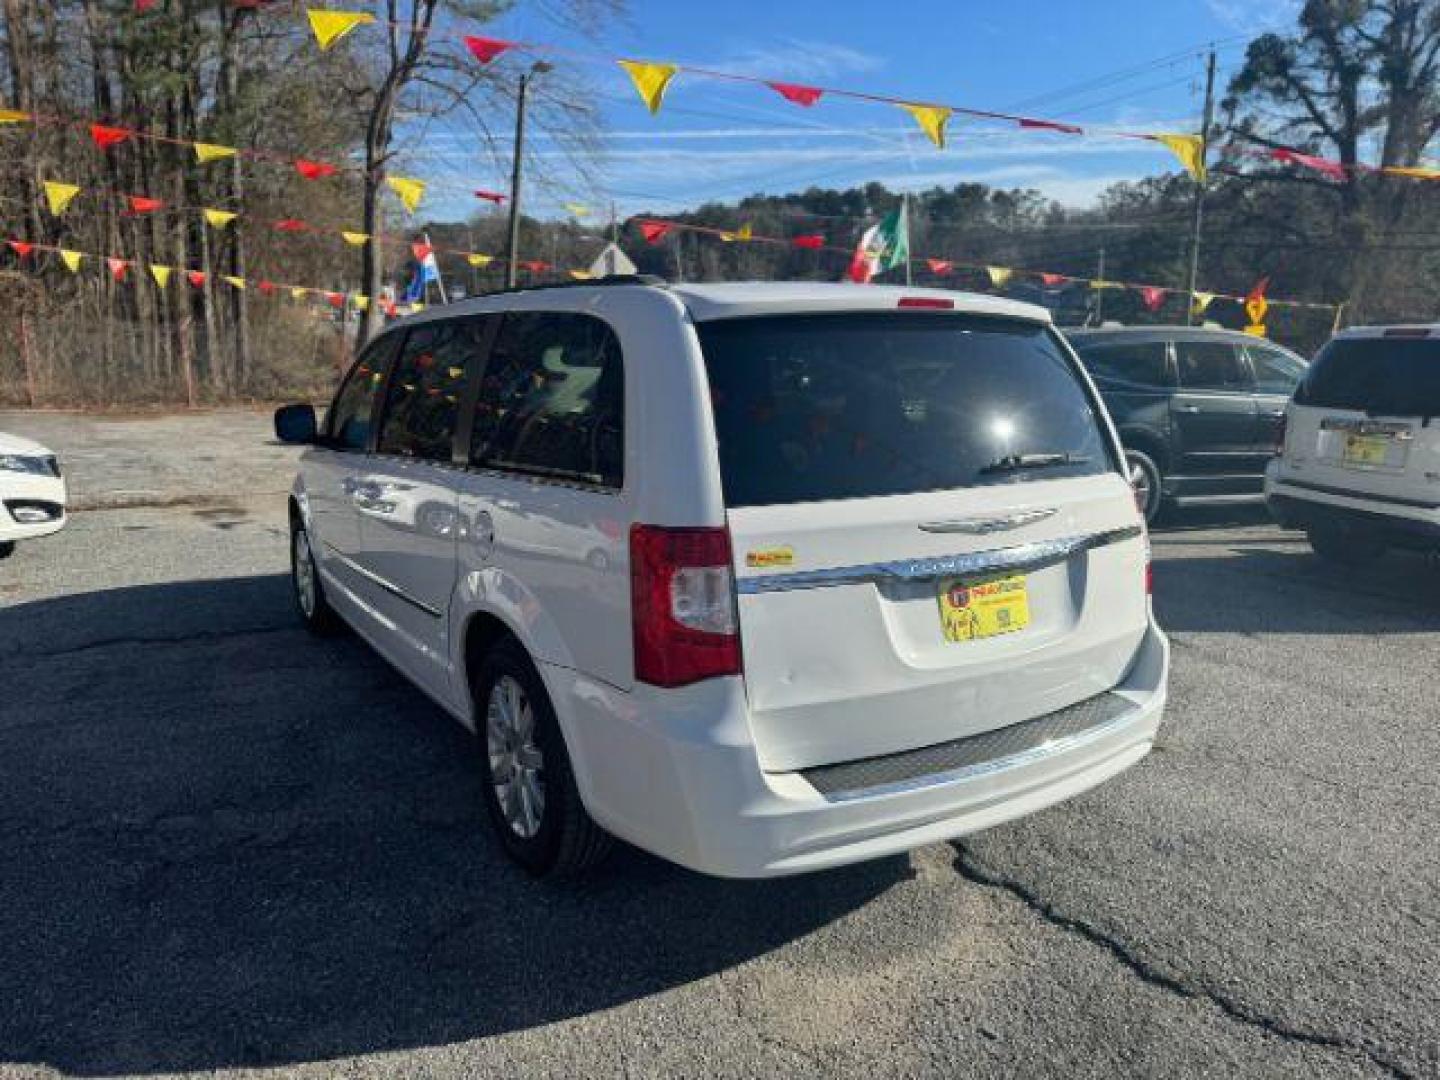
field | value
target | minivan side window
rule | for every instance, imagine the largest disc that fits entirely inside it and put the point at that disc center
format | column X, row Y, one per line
column 552, row 402
column 1275, row 373
column 1212, row 365
column 347, row 424
column 1134, row 364
column 423, row 393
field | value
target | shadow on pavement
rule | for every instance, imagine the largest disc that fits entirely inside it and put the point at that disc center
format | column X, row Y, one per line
column 224, row 843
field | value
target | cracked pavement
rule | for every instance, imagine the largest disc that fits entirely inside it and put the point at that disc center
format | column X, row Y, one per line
column 228, row 847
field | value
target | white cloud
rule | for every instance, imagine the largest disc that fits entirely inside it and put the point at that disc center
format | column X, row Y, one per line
column 794, row 60
column 1248, row 17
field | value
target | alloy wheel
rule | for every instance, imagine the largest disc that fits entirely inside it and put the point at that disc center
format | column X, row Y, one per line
column 516, row 763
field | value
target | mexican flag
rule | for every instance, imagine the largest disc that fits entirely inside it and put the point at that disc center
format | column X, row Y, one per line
column 884, row 246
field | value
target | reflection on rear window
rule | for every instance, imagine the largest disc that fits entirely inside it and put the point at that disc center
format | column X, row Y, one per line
column 844, row 406
column 1390, row 376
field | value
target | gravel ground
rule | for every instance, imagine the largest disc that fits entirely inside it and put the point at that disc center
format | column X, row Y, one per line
column 227, row 846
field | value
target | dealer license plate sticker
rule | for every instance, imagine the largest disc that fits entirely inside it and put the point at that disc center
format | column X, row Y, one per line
column 971, row 611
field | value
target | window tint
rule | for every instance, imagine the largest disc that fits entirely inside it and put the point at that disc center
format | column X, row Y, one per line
column 348, row 422
column 859, row 405
column 1138, row 364
column 1275, row 372
column 553, row 399
column 421, row 399
column 1211, row 365
column 1391, row 376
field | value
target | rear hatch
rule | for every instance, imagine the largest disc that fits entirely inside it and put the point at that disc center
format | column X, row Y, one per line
column 1365, row 418
column 932, row 533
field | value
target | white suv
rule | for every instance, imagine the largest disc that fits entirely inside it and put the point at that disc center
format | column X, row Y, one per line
column 1360, row 471
column 760, row 578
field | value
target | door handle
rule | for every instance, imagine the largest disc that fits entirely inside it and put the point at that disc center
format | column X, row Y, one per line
column 1189, row 410
column 1275, row 415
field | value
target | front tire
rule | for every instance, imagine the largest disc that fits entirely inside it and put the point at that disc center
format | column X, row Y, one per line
column 529, row 785
column 1344, row 548
column 7, row 548
column 309, row 592
column 1149, row 496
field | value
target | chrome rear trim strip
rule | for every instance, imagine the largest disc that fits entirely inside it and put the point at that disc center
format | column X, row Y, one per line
column 973, row 566
column 391, row 588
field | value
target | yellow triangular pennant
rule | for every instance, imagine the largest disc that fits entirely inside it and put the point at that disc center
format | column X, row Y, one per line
column 161, row 274
column 651, row 80
column 1202, row 301
column 416, row 308
column 1415, row 172
column 745, row 232
column 356, row 239
column 581, row 275
column 220, row 218
column 330, row 26
column 578, row 209
column 999, row 275
column 1101, row 283
column 59, row 196
column 410, row 191
column 728, row 237
column 1190, row 149
column 298, row 293
column 480, row 261
column 13, row 116
column 208, row 152
column 362, row 303
column 71, row 259
column 932, row 120
column 237, row 282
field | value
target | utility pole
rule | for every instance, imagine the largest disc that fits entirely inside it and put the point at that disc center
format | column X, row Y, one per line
column 512, row 252
column 1100, row 292
column 1200, row 184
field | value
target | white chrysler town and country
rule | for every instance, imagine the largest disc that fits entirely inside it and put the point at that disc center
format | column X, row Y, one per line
column 760, row 578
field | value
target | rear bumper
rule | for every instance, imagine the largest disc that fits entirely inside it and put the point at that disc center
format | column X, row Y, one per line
column 684, row 782
column 1296, row 507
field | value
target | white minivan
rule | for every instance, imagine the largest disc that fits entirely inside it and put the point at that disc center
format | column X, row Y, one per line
column 1360, row 468
column 761, row 578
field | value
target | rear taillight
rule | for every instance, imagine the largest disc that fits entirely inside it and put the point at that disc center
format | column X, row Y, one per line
column 682, row 598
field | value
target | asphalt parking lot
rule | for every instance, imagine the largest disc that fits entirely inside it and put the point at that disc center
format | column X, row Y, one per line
column 227, row 846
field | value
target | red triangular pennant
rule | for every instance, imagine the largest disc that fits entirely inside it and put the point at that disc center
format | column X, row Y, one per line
column 315, row 170
column 106, row 137
column 940, row 266
column 117, row 268
column 486, row 49
column 143, row 204
column 421, row 251
column 535, row 266
column 812, row 241
column 266, row 287
column 291, row 225
column 655, row 231
column 21, row 248
column 1053, row 279
column 1153, row 297
column 195, row 277
column 335, row 299
column 490, row 196
column 1050, row 125
column 800, row 95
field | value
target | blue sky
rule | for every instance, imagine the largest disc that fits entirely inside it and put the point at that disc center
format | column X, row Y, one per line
column 1103, row 64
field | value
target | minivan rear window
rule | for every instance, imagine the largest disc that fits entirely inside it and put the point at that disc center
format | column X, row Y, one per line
column 816, row 407
column 1389, row 376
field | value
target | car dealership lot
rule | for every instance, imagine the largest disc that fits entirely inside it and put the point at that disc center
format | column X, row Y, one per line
column 226, row 845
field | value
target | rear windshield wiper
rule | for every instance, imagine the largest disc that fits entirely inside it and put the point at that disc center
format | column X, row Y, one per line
column 1019, row 462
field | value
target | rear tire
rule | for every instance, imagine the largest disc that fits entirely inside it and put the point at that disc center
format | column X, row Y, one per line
column 529, row 785
column 305, row 585
column 1152, row 484
column 1345, row 548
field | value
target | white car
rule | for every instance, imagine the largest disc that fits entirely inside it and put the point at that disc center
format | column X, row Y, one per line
column 760, row 578
column 32, row 492
column 1360, row 470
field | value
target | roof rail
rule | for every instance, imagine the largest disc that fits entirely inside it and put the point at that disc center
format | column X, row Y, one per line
column 611, row 280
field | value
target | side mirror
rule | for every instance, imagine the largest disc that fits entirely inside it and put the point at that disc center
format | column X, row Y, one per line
column 295, row 424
